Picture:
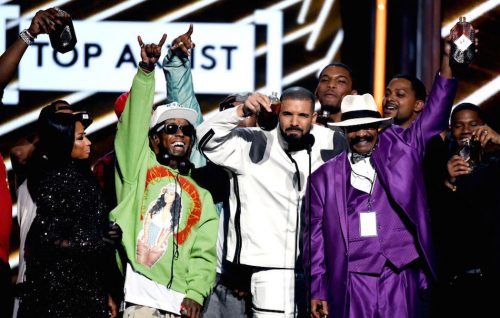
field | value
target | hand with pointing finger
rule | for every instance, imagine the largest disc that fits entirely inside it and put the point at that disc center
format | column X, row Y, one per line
column 183, row 43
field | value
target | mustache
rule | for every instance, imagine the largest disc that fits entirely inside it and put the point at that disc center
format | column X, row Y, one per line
column 356, row 140
column 293, row 128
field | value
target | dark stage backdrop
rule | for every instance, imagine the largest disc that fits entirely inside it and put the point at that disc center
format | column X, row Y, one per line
column 277, row 44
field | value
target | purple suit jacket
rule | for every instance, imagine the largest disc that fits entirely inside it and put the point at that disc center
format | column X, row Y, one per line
column 397, row 160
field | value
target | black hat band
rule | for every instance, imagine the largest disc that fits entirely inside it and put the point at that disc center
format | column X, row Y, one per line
column 360, row 114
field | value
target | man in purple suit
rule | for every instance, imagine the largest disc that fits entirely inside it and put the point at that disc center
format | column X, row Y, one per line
column 367, row 242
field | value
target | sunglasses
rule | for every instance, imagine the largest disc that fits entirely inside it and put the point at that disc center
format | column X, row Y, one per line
column 171, row 129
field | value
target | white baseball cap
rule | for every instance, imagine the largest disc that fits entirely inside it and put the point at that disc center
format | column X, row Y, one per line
column 172, row 110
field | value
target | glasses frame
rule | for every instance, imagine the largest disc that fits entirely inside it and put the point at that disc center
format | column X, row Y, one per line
column 187, row 130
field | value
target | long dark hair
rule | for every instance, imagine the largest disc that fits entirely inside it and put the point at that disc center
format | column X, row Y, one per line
column 174, row 209
column 57, row 136
column 56, row 133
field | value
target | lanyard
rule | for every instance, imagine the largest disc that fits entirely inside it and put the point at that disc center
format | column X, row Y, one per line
column 372, row 184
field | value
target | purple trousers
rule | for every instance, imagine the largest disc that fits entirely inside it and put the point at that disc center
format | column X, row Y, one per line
column 392, row 294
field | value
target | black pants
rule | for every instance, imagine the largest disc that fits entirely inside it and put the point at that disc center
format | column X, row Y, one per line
column 7, row 298
column 466, row 295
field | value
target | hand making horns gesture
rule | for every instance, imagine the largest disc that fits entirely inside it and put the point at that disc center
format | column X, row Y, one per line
column 183, row 43
column 150, row 53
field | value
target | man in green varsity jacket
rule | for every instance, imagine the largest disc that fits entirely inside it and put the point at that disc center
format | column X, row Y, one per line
column 169, row 223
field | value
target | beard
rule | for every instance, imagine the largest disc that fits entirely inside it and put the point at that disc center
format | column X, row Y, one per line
column 295, row 141
column 292, row 138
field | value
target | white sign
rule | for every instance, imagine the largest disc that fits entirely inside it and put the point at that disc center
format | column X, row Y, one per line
column 107, row 53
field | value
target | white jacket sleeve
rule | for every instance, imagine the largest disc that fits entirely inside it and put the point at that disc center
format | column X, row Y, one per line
column 223, row 143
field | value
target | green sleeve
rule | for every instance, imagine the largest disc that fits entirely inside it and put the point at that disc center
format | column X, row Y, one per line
column 203, row 259
column 131, row 141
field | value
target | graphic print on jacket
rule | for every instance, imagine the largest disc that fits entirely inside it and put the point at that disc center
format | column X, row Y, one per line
column 163, row 217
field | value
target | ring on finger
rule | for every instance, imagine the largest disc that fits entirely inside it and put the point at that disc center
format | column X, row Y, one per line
column 180, row 43
column 142, row 45
column 60, row 13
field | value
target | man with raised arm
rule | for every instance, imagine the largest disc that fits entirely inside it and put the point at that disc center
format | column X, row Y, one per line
column 169, row 223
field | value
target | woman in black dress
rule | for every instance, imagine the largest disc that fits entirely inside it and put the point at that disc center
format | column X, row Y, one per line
column 70, row 235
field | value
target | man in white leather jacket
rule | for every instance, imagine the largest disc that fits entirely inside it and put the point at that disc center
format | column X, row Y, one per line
column 271, row 169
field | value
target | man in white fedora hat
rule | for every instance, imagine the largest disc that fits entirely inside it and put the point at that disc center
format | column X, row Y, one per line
column 367, row 241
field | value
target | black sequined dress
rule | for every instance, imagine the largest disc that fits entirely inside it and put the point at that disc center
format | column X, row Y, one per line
column 64, row 248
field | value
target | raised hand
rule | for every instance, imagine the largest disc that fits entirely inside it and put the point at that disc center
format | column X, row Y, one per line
column 150, row 53
column 446, row 70
column 44, row 21
column 253, row 104
column 183, row 43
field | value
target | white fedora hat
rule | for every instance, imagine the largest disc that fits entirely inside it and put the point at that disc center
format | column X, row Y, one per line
column 172, row 110
column 360, row 110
